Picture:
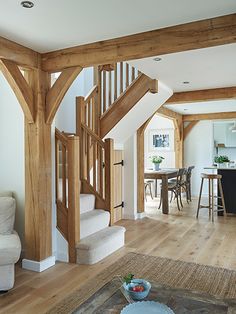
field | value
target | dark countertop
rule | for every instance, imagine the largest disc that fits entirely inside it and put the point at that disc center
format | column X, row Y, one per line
column 221, row 168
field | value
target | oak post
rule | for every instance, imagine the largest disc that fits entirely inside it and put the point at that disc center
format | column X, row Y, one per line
column 73, row 196
column 38, row 172
column 178, row 135
column 140, row 170
column 79, row 113
column 109, row 177
column 140, row 166
column 79, row 132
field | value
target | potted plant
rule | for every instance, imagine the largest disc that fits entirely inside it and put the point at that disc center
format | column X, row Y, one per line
column 157, row 160
column 220, row 160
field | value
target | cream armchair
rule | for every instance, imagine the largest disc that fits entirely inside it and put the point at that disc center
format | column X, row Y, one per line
column 10, row 246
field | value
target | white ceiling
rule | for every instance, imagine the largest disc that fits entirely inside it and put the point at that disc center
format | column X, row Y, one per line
column 204, row 107
column 204, row 68
column 55, row 24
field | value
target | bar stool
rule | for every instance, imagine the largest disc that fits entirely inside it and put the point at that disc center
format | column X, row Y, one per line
column 211, row 196
column 148, row 185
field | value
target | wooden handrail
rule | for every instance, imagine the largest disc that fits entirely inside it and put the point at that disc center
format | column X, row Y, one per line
column 93, row 135
column 125, row 102
column 91, row 94
column 87, row 111
column 61, row 136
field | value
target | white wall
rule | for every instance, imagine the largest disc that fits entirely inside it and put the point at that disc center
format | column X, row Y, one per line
column 198, row 151
column 65, row 117
column 12, row 150
column 139, row 114
column 228, row 151
column 159, row 123
column 130, row 178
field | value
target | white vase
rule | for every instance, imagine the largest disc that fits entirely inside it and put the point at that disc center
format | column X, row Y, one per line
column 156, row 166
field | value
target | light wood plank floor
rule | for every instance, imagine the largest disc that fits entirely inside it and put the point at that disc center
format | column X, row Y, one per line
column 178, row 236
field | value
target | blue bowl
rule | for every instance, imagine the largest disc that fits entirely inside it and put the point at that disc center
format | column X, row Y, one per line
column 138, row 295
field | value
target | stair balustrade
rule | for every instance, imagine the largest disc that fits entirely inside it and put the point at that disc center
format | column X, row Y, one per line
column 113, row 80
column 96, row 155
column 67, row 189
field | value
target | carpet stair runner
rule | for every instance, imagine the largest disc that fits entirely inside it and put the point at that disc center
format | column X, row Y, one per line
column 97, row 239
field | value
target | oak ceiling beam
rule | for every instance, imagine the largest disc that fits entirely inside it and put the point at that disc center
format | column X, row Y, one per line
column 210, row 116
column 21, row 88
column 169, row 113
column 202, row 95
column 195, row 35
column 58, row 91
column 19, row 54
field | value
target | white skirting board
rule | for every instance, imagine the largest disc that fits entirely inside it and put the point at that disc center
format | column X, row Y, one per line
column 134, row 216
column 141, row 215
column 38, row 266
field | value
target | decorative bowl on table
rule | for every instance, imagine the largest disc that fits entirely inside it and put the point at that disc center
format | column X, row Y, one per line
column 138, row 289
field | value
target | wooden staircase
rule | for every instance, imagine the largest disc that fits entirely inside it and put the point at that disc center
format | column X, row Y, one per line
column 87, row 161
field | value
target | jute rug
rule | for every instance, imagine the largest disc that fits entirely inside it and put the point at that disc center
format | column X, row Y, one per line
column 216, row 281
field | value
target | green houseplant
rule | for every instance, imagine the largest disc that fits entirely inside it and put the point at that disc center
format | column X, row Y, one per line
column 221, row 160
column 157, row 160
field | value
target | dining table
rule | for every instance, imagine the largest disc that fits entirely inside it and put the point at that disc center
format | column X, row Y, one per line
column 164, row 175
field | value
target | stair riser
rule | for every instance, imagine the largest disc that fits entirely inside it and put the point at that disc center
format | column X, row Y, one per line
column 90, row 257
column 87, row 202
column 93, row 224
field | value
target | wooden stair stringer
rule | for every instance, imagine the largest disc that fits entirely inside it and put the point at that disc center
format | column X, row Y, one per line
column 125, row 102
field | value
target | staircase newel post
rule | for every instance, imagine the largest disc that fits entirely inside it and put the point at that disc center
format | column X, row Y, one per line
column 79, row 132
column 109, row 178
column 79, row 114
column 97, row 81
column 73, row 196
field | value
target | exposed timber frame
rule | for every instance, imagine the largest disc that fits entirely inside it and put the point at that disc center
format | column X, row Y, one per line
column 189, row 127
column 202, row 95
column 19, row 54
column 210, row 116
column 40, row 101
column 195, row 35
column 140, row 166
column 58, row 91
column 178, row 133
column 22, row 90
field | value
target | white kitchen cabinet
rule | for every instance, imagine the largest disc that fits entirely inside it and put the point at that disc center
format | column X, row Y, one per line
column 223, row 134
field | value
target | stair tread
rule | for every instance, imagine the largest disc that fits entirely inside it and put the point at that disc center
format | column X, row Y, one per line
column 93, row 221
column 94, row 212
column 99, row 238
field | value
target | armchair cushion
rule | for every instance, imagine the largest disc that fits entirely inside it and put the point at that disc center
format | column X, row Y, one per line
column 6, row 194
column 10, row 248
column 7, row 214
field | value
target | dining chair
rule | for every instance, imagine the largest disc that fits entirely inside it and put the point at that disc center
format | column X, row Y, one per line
column 175, row 188
column 185, row 184
column 188, row 183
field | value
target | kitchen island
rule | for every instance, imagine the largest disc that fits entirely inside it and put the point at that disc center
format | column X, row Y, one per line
column 229, row 186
